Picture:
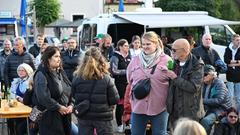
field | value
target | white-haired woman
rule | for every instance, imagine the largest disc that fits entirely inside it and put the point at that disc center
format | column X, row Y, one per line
column 20, row 84
column 18, row 88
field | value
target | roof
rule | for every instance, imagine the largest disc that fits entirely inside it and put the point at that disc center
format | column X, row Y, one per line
column 172, row 19
column 65, row 23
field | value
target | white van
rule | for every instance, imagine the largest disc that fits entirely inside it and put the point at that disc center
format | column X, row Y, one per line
column 171, row 24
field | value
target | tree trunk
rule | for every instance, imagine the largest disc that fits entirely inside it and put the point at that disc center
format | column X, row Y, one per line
column 41, row 30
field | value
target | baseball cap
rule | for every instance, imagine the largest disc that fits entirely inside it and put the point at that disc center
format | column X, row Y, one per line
column 99, row 36
column 209, row 68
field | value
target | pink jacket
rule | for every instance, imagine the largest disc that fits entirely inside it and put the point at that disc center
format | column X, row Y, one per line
column 155, row 102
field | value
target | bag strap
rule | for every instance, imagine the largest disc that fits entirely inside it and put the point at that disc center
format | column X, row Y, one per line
column 153, row 69
column 90, row 94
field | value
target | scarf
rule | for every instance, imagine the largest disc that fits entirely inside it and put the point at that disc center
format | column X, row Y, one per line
column 149, row 60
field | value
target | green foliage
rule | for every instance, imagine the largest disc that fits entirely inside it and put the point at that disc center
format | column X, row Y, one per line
column 224, row 9
column 47, row 11
column 217, row 8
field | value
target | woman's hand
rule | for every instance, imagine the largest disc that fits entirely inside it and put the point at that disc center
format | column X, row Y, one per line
column 70, row 108
column 63, row 110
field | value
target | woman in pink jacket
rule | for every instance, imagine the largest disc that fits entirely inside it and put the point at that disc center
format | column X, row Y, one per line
column 152, row 108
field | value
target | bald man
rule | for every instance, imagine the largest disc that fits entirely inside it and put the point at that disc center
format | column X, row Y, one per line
column 184, row 97
column 208, row 54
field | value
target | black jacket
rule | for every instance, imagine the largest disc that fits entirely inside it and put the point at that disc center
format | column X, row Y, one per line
column 104, row 96
column 3, row 58
column 185, row 92
column 13, row 61
column 34, row 50
column 224, row 128
column 50, row 89
column 118, row 67
column 233, row 74
column 208, row 55
column 70, row 60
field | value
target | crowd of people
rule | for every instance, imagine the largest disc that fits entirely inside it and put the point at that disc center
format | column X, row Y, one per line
column 185, row 97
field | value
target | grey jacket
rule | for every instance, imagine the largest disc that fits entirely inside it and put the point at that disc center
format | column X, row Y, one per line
column 218, row 98
column 185, row 95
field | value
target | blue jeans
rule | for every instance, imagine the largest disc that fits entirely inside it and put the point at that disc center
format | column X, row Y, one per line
column 234, row 89
column 74, row 129
column 208, row 121
column 158, row 123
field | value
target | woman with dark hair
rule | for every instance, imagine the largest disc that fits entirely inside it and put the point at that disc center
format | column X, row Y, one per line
column 135, row 48
column 118, row 66
column 53, row 89
column 230, row 125
column 92, row 82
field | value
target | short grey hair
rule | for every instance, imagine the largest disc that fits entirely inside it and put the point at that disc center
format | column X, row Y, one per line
column 20, row 39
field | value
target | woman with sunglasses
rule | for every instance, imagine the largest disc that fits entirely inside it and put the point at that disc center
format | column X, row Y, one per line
column 229, row 125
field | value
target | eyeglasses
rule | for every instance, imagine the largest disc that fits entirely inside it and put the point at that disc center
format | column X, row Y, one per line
column 175, row 50
column 205, row 74
column 231, row 116
column 71, row 42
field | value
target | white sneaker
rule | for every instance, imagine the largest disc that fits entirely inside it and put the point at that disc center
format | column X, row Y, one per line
column 120, row 129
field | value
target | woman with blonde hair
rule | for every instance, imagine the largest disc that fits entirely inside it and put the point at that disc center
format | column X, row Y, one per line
column 186, row 126
column 151, row 63
column 92, row 82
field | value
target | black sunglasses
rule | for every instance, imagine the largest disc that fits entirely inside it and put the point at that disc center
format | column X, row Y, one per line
column 205, row 74
column 174, row 50
column 230, row 116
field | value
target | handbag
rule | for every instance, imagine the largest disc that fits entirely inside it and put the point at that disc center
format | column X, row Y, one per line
column 36, row 114
column 83, row 107
column 142, row 88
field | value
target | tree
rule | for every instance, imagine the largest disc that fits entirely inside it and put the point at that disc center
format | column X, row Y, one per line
column 47, row 11
column 224, row 9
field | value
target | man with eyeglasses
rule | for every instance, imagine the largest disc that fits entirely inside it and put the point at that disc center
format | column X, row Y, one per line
column 185, row 95
column 216, row 98
column 70, row 58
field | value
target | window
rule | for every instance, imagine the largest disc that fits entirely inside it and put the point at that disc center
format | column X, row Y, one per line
column 219, row 35
column 88, row 33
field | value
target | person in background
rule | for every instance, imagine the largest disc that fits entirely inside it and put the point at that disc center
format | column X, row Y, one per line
column 185, row 92
column 70, row 58
column 191, row 41
column 17, row 57
column 209, row 55
column 7, row 50
column 17, row 91
column 93, row 75
column 118, row 66
column 152, row 108
column 232, row 59
column 229, row 125
column 107, row 49
column 35, row 49
column 64, row 45
column 187, row 126
column 166, row 47
column 53, row 89
column 135, row 48
column 38, row 58
column 216, row 97
column 99, row 40
column 20, row 84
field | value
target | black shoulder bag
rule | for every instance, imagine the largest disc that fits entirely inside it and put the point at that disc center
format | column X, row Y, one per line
column 142, row 88
column 83, row 107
